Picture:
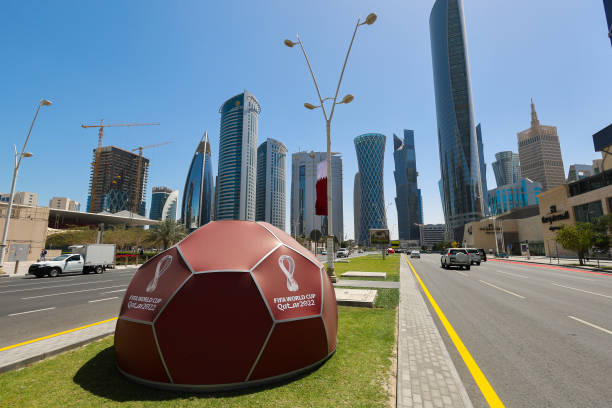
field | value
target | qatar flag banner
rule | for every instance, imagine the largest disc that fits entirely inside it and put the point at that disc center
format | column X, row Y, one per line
column 321, row 203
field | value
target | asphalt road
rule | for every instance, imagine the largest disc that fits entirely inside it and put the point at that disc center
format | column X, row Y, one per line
column 31, row 308
column 542, row 336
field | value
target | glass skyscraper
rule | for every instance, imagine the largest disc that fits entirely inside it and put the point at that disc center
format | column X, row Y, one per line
column 198, row 192
column 370, row 149
column 237, row 174
column 408, row 201
column 163, row 204
column 271, row 199
column 483, row 171
column 457, row 138
column 507, row 168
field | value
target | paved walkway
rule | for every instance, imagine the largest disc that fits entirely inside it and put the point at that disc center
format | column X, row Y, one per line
column 426, row 374
column 18, row 356
column 367, row 283
column 569, row 262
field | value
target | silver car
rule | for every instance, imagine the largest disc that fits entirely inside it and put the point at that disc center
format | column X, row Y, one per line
column 455, row 257
column 415, row 254
column 474, row 256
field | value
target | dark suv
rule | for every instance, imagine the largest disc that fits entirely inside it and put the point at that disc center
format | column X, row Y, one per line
column 483, row 255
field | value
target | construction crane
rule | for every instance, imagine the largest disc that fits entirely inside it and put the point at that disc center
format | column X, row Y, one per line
column 136, row 201
column 95, row 164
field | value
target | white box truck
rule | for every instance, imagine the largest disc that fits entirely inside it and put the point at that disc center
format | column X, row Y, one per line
column 84, row 259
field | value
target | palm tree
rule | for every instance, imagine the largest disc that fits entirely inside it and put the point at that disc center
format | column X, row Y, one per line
column 167, row 233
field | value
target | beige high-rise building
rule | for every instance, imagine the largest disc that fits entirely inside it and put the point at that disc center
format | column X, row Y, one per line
column 21, row 197
column 540, row 153
column 64, row 203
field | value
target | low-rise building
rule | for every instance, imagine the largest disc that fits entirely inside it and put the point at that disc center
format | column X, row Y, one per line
column 512, row 196
column 21, row 197
column 28, row 226
column 64, row 203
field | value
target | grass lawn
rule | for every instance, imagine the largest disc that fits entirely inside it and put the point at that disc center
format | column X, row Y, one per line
column 356, row 376
column 371, row 263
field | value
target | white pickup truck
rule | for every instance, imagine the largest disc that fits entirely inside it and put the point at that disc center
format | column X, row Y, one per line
column 84, row 259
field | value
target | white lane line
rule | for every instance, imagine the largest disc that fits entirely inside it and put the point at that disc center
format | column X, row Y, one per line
column 591, row 324
column 31, row 311
column 513, row 274
column 22, row 283
column 503, row 290
column 100, row 300
column 57, row 286
column 113, row 291
column 581, row 290
column 67, row 293
column 463, row 273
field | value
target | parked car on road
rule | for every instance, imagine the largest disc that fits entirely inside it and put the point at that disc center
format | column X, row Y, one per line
column 342, row 253
column 455, row 257
column 483, row 254
column 323, row 252
column 474, row 256
column 390, row 251
column 415, row 254
column 501, row 255
column 84, row 259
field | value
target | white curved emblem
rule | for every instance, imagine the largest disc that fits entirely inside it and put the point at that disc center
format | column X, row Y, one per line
column 292, row 285
column 162, row 266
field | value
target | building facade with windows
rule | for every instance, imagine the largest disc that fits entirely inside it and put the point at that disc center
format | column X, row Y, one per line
column 303, row 219
column 511, row 196
column 507, row 168
column 579, row 171
column 198, row 192
column 164, row 204
column 432, row 234
column 121, row 182
column 540, row 153
column 271, row 196
column 457, row 137
column 408, row 201
column 237, row 173
column 64, row 203
column 370, row 148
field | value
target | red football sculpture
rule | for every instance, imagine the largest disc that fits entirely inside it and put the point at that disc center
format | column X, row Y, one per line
column 235, row 304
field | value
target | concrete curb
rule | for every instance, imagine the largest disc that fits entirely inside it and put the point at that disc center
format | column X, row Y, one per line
column 555, row 265
column 44, row 355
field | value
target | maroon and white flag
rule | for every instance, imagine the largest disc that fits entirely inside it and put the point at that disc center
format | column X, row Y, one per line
column 321, row 202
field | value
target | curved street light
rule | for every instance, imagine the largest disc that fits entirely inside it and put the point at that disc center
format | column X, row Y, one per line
column 369, row 20
column 18, row 157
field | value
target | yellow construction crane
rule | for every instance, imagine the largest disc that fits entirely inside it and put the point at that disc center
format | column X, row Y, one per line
column 101, row 127
column 136, row 200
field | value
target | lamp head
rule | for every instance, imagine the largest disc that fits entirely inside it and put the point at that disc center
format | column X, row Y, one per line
column 289, row 43
column 347, row 99
column 371, row 18
column 26, row 154
column 310, row 106
column 46, row 102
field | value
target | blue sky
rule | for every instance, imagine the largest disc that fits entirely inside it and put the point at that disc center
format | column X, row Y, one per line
column 177, row 62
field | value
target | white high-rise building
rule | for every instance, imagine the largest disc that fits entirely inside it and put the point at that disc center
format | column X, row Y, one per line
column 64, row 203
column 237, row 173
column 271, row 202
column 303, row 194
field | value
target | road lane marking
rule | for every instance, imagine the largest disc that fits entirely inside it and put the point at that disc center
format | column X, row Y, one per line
column 591, row 324
column 113, row 291
column 512, row 274
column 463, row 273
column 503, row 290
column 100, row 300
column 483, row 384
column 581, row 290
column 56, row 334
column 67, row 293
column 56, row 286
column 31, row 311
column 33, row 283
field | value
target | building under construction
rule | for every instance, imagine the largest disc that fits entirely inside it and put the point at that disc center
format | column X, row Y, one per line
column 118, row 186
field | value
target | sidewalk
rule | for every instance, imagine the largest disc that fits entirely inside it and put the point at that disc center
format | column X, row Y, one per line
column 20, row 355
column 567, row 262
column 426, row 374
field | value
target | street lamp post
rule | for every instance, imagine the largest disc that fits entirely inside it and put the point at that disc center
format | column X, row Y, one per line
column 370, row 19
column 18, row 157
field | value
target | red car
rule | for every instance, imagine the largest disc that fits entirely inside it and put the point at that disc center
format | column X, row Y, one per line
column 390, row 251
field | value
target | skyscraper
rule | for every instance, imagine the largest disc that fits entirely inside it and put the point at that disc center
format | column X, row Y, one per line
column 483, row 170
column 119, row 187
column 164, row 203
column 507, row 168
column 457, row 138
column 408, row 200
column 357, row 204
column 271, row 198
column 540, row 153
column 236, row 187
column 198, row 191
column 370, row 148
column 303, row 194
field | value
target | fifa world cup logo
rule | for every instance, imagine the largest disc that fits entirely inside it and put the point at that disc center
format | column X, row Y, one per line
column 162, row 266
column 287, row 265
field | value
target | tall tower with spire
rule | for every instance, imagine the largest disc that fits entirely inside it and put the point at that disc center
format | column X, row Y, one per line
column 540, row 153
